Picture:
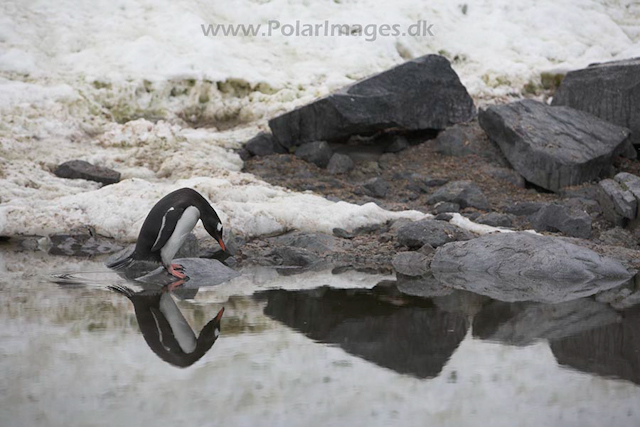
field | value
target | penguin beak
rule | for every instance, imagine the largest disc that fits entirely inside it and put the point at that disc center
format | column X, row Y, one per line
column 220, row 313
column 221, row 243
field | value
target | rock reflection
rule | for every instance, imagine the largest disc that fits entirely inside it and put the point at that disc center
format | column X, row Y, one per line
column 611, row 350
column 524, row 323
column 165, row 329
column 408, row 335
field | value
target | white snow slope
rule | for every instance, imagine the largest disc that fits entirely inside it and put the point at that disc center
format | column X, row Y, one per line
column 122, row 83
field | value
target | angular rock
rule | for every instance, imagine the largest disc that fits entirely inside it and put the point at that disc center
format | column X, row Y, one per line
column 495, row 219
column 630, row 183
column 377, row 187
column 610, row 90
column 428, row 231
column 464, row 193
column 79, row 169
column 264, row 144
column 424, row 93
column 411, row 263
column 340, row 163
column 552, row 147
column 526, row 267
column 317, row 152
column 568, row 220
column 469, row 139
column 618, row 205
column 444, row 207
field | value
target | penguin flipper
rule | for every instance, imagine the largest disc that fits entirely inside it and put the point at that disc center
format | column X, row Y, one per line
column 169, row 222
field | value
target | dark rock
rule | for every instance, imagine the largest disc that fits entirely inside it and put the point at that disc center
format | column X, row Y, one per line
column 568, row 220
column 444, row 207
column 428, row 231
column 618, row 205
column 526, row 267
column 524, row 323
column 464, row 193
column 523, row 208
column 79, row 169
column 609, row 90
column 424, row 93
column 469, row 139
column 495, row 219
column 377, row 187
column 264, row 144
column 423, row 184
column 445, row 216
column 552, row 147
column 590, row 206
column 244, row 154
column 340, row 163
column 427, row 249
column 411, row 263
column 398, row 143
column 342, row 233
column 318, row 153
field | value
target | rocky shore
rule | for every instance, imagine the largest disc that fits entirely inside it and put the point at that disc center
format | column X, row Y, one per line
column 524, row 201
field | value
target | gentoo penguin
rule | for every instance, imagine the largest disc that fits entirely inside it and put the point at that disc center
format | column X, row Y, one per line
column 167, row 226
column 165, row 329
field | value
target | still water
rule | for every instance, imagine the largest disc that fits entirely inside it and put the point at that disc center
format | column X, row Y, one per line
column 309, row 349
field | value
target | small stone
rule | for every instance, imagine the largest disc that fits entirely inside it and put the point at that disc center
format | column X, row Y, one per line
column 398, row 143
column 568, row 220
column 523, row 208
column 445, row 216
column 377, row 187
column 318, row 153
column 495, row 219
column 427, row 231
column 464, row 193
column 444, row 207
column 79, row 169
column 618, row 205
column 342, row 233
column 340, row 163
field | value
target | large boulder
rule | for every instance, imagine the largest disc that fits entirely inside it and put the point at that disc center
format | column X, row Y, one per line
column 610, row 90
column 553, row 147
column 424, row 93
column 526, row 267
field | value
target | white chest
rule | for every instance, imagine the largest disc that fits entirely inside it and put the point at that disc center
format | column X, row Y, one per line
column 185, row 224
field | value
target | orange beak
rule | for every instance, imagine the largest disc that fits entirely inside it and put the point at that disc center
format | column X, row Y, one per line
column 220, row 313
column 221, row 243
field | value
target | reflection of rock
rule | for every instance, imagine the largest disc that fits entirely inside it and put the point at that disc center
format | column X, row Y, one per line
column 612, row 350
column 165, row 329
column 410, row 339
column 421, row 286
column 201, row 273
column 523, row 323
column 526, row 267
column 81, row 242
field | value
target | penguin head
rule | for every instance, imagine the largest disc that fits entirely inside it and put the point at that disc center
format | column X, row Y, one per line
column 212, row 224
column 210, row 333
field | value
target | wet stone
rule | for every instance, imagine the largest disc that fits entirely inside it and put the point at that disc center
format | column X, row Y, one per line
column 79, row 169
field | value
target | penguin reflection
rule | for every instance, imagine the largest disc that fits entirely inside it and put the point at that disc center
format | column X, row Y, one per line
column 165, row 329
